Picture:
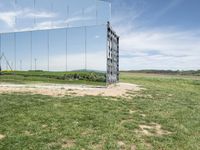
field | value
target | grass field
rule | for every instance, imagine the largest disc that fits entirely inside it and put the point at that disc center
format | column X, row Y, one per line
column 163, row 116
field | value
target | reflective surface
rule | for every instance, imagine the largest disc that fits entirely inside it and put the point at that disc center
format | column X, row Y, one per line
column 28, row 15
column 65, row 49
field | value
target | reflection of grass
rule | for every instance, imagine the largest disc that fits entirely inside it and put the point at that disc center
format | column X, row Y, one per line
column 43, row 122
column 53, row 77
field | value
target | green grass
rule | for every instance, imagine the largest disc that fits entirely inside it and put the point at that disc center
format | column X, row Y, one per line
column 42, row 122
column 81, row 77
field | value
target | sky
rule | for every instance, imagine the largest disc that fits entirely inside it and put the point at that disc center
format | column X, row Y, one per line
column 154, row 34
column 158, row 34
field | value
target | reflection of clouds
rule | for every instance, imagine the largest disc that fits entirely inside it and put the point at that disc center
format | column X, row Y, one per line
column 59, row 23
column 90, row 10
column 8, row 17
column 97, row 37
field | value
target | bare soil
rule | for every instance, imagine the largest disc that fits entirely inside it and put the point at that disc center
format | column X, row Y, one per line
column 68, row 144
column 153, row 129
column 133, row 147
column 117, row 90
column 2, row 136
column 121, row 145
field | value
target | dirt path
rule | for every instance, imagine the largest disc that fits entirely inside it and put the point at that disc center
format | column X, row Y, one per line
column 117, row 90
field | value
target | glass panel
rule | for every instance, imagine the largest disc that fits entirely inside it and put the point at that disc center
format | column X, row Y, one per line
column 61, row 10
column 40, row 50
column 71, row 49
column 23, row 49
column 96, row 48
column 25, row 18
column 7, row 24
column 8, row 50
column 76, row 49
column 45, row 14
column 82, row 14
column 103, row 12
column 90, row 13
column 57, row 49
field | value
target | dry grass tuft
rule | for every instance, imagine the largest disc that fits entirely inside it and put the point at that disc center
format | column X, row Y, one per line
column 153, row 129
column 133, row 147
column 2, row 136
column 121, row 145
column 68, row 143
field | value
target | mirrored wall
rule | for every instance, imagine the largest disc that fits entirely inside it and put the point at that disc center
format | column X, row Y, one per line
column 64, row 49
column 28, row 15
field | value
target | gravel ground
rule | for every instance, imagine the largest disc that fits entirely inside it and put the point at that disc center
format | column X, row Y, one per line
column 116, row 90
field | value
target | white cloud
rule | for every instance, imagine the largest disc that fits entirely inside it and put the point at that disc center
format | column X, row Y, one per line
column 36, row 14
column 160, row 49
column 59, row 23
column 166, row 9
column 9, row 17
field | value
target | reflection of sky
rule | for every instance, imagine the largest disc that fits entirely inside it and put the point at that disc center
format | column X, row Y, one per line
column 58, row 14
column 94, row 37
column 25, row 15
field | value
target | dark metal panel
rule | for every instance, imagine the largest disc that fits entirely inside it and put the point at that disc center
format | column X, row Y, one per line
column 112, row 55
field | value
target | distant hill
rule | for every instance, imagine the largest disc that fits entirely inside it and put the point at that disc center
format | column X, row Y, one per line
column 169, row 72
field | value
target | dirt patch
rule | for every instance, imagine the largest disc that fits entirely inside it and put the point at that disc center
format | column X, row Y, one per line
column 68, row 143
column 143, row 115
column 148, row 145
column 133, row 147
column 52, row 144
column 117, row 90
column 97, row 147
column 44, row 126
column 2, row 136
column 27, row 133
column 153, row 129
column 126, row 121
column 132, row 111
column 87, row 132
column 121, row 145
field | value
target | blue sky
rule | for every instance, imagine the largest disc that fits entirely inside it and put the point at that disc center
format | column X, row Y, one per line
column 154, row 34
column 158, row 34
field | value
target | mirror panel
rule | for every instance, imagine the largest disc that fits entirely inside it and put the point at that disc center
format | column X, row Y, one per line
column 96, row 48
column 23, row 51
column 76, row 49
column 40, row 50
column 31, row 15
column 9, row 51
column 57, row 48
